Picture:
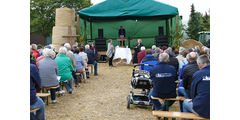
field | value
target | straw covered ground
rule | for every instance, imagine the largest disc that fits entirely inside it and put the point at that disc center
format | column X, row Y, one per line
column 102, row 98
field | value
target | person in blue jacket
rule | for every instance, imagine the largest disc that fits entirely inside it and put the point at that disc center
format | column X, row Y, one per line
column 164, row 77
column 148, row 59
column 35, row 101
column 200, row 90
column 91, row 58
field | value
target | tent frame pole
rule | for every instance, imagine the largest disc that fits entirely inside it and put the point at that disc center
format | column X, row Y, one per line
column 85, row 31
column 176, row 22
column 91, row 28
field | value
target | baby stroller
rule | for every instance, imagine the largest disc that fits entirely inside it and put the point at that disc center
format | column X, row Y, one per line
column 140, row 80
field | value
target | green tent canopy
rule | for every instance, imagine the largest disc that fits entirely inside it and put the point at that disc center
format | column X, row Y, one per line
column 121, row 8
column 140, row 18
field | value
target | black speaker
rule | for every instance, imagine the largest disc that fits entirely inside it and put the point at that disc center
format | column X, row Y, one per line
column 100, row 33
column 160, row 30
column 161, row 41
column 100, row 44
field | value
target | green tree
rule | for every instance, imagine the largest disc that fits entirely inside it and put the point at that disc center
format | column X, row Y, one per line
column 194, row 24
column 42, row 13
column 176, row 36
column 206, row 22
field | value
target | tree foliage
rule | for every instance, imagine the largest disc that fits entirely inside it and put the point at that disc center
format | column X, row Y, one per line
column 42, row 13
column 194, row 24
column 176, row 37
column 197, row 23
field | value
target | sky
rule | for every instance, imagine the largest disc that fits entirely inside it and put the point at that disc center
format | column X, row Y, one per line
column 184, row 6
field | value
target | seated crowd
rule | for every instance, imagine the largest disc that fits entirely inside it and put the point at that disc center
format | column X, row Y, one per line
column 51, row 69
column 191, row 68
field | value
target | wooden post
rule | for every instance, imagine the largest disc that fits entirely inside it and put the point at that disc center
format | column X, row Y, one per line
column 176, row 22
column 85, row 29
column 167, row 27
column 171, row 23
column 78, row 25
column 91, row 28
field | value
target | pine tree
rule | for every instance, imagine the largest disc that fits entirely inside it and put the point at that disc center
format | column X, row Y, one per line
column 194, row 24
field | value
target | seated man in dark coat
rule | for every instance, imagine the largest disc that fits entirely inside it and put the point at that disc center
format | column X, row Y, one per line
column 148, row 59
column 36, row 102
column 172, row 60
column 164, row 77
column 91, row 58
column 189, row 71
column 200, row 89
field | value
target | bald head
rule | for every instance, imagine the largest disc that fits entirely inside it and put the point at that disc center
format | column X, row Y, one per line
column 164, row 57
column 192, row 56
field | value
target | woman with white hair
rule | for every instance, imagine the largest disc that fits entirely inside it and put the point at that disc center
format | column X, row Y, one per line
column 85, row 60
column 35, row 52
column 48, row 71
column 157, row 52
column 153, row 49
column 65, row 69
column 141, row 54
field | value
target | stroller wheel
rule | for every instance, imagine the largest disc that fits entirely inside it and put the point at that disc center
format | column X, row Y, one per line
column 153, row 107
column 128, row 102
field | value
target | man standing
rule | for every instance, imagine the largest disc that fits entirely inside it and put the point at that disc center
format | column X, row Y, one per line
column 121, row 34
column 200, row 90
column 163, row 76
column 136, row 50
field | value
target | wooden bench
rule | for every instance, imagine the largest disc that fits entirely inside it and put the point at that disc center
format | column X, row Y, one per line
column 91, row 67
column 48, row 88
column 45, row 96
column 34, row 110
column 178, row 98
column 78, row 73
column 171, row 115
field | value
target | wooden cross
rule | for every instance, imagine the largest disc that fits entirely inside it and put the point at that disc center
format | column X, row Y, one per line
column 70, row 36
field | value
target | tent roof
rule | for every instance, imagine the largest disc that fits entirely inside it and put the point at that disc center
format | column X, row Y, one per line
column 128, row 8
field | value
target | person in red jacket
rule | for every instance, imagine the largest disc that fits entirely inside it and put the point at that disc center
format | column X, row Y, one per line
column 35, row 52
column 141, row 54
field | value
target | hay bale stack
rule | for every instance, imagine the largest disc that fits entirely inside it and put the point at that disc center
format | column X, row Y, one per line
column 65, row 17
column 58, row 32
column 191, row 44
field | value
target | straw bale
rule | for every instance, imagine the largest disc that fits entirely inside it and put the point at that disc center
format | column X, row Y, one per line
column 191, row 44
column 58, row 32
column 65, row 17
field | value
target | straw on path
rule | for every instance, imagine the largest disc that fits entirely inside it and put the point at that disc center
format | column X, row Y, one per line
column 102, row 98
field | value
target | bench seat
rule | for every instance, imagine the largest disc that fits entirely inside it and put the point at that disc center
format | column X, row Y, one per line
column 183, row 115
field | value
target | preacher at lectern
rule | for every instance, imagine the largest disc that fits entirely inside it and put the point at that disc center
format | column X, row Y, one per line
column 121, row 34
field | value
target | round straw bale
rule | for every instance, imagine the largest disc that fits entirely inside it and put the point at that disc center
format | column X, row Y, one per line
column 65, row 17
column 191, row 44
